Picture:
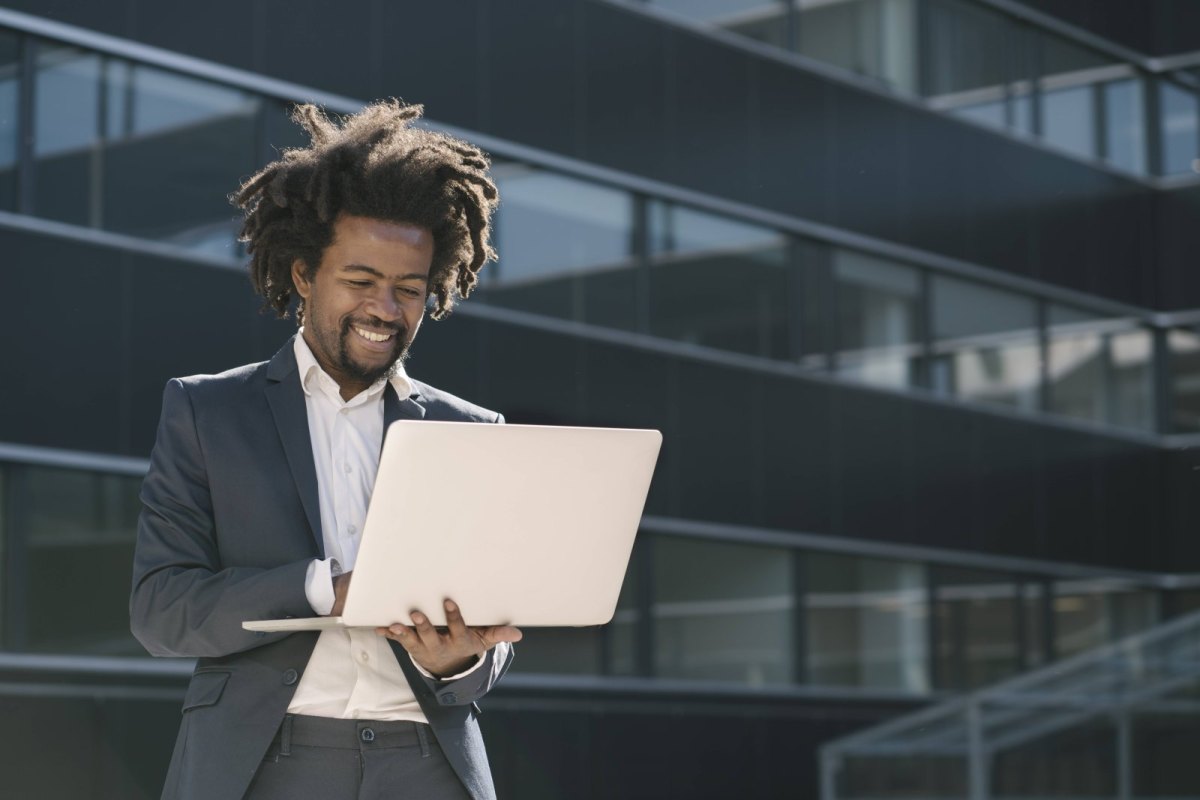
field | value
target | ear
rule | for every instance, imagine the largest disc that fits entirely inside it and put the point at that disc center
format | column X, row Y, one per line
column 300, row 278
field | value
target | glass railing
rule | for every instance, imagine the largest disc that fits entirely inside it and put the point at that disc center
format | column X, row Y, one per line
column 1120, row 720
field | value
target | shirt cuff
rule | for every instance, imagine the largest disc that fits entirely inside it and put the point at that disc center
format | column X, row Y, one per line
column 318, row 584
column 478, row 663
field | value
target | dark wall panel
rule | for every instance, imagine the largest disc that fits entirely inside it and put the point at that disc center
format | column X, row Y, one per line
column 717, row 446
column 708, row 112
column 409, row 60
column 64, row 343
column 794, row 120
column 625, row 99
column 873, row 466
column 1004, row 497
column 797, row 484
column 1177, row 236
column 109, row 329
column 872, row 180
column 533, row 80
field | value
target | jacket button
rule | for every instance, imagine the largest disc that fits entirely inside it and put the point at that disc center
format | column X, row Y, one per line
column 449, row 699
column 290, row 677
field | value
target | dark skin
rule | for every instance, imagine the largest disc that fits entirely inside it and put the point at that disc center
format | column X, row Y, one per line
column 363, row 306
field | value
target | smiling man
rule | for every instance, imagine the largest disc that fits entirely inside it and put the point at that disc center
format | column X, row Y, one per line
column 260, row 476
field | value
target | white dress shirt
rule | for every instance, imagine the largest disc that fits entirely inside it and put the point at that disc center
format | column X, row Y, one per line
column 352, row 673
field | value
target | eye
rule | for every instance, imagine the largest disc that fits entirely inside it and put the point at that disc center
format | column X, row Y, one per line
column 358, row 284
column 409, row 291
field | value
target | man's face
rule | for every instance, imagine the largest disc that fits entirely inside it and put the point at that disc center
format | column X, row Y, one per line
column 363, row 305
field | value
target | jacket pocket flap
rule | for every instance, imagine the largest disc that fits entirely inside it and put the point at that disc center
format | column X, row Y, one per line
column 205, row 689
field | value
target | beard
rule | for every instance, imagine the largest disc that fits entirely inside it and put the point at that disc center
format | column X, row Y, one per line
column 370, row 374
column 335, row 347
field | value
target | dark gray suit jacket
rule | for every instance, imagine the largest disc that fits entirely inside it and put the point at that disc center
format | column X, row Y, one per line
column 229, row 524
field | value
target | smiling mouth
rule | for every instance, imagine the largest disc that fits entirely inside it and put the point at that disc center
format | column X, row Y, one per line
column 371, row 336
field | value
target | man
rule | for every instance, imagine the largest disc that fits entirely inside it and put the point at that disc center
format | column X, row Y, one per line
column 259, row 480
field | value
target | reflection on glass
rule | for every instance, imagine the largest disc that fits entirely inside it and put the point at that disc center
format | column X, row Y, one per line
column 867, row 622
column 1184, row 371
column 1033, row 607
column 977, row 64
column 986, row 344
column 1100, row 368
column 1088, row 614
column 9, row 75
column 621, row 633
column 1124, row 124
column 989, row 113
column 761, row 20
column 1131, row 386
column 878, row 305
column 66, row 123
column 565, row 248
column 1180, row 127
column 722, row 612
column 876, row 38
column 978, row 636
column 66, row 100
column 77, row 527
column 720, row 283
column 1070, row 75
column 175, row 147
column 140, row 150
column 1067, row 119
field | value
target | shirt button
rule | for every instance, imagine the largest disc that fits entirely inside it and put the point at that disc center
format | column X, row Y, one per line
column 449, row 699
column 364, row 656
column 348, row 468
column 350, row 529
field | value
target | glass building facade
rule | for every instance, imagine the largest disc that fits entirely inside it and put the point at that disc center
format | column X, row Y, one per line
column 991, row 64
column 934, row 473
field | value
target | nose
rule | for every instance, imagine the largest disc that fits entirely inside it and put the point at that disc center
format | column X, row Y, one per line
column 384, row 305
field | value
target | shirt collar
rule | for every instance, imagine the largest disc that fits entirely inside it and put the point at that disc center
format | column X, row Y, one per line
column 311, row 372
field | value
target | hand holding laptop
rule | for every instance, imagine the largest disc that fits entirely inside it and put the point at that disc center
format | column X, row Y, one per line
column 444, row 652
column 450, row 650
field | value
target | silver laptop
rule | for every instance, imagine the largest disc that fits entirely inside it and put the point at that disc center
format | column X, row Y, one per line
column 519, row 524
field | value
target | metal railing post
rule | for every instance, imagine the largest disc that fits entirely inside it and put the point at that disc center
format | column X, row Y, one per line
column 978, row 787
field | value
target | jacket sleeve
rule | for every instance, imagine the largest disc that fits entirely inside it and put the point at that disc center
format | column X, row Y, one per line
column 470, row 687
column 185, row 602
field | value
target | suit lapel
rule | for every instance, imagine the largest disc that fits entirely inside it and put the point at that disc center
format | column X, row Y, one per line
column 395, row 409
column 286, row 399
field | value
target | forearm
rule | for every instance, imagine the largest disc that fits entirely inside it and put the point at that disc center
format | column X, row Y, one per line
column 192, row 612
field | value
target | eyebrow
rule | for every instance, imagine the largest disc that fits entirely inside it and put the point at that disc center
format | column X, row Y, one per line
column 418, row 276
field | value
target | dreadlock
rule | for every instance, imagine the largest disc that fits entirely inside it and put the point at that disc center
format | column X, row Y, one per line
column 374, row 164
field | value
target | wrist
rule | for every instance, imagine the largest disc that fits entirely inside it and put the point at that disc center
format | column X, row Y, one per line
column 455, row 668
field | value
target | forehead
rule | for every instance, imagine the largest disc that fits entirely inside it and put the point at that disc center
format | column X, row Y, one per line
column 383, row 242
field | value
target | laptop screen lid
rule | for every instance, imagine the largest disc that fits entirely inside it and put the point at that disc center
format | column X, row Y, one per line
column 519, row 524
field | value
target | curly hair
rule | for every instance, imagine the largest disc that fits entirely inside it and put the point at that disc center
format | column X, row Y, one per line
column 373, row 164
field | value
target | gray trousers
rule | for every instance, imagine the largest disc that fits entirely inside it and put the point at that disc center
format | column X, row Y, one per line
column 349, row 759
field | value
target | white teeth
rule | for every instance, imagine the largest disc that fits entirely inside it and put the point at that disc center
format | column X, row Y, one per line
column 372, row 337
